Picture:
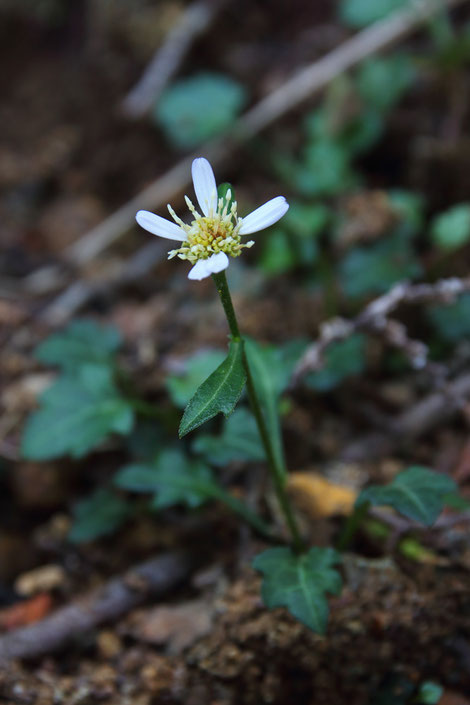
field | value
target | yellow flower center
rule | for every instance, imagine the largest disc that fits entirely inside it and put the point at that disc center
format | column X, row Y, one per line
column 209, row 235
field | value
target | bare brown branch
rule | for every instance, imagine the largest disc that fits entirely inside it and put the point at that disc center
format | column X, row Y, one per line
column 115, row 598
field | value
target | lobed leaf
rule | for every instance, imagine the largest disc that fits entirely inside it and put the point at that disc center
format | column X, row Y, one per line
column 300, row 583
column 81, row 342
column 98, row 515
column 418, row 493
column 75, row 415
column 172, row 477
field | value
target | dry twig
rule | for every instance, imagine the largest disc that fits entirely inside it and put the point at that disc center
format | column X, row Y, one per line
column 374, row 319
column 428, row 413
column 194, row 21
column 115, row 598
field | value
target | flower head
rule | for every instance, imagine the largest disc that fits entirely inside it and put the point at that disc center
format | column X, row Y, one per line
column 211, row 238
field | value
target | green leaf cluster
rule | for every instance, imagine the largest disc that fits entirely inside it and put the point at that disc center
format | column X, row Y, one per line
column 84, row 405
column 171, row 476
column 174, row 478
column 351, row 120
column 300, row 582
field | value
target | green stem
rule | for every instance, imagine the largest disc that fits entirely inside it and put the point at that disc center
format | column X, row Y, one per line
column 244, row 511
column 277, row 469
column 351, row 526
column 146, row 409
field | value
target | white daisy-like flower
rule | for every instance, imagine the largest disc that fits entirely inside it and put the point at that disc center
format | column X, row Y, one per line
column 214, row 236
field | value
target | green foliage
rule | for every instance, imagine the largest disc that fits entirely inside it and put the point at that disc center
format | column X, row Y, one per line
column 429, row 693
column 452, row 321
column 195, row 109
column 342, row 360
column 454, row 500
column 374, row 269
column 418, row 493
column 182, row 387
column 451, row 229
column 219, row 393
column 382, row 81
column 239, row 440
column 409, row 207
column 349, row 122
column 278, row 255
column 346, row 119
column 81, row 342
column 172, row 476
column 360, row 13
column 99, row 515
column 295, row 242
column 300, row 583
column 76, row 414
column 146, row 439
column 326, row 170
column 268, row 378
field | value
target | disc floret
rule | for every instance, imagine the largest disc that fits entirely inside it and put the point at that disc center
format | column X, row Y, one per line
column 213, row 237
column 210, row 234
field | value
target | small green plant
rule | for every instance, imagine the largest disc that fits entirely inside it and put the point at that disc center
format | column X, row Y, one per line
column 92, row 402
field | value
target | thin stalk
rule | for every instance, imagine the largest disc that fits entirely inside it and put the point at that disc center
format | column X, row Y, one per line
column 277, row 469
column 351, row 526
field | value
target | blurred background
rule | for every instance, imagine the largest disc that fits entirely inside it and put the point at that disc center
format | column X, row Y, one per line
column 104, row 104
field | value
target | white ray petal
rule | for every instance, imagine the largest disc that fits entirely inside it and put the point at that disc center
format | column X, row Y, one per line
column 204, row 185
column 160, row 226
column 264, row 216
column 205, row 267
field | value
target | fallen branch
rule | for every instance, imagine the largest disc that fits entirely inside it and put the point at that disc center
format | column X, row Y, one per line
column 194, row 21
column 115, row 598
column 80, row 292
column 374, row 319
column 428, row 413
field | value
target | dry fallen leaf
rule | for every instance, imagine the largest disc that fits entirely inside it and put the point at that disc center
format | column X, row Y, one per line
column 27, row 612
column 42, row 579
column 177, row 626
column 318, row 497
